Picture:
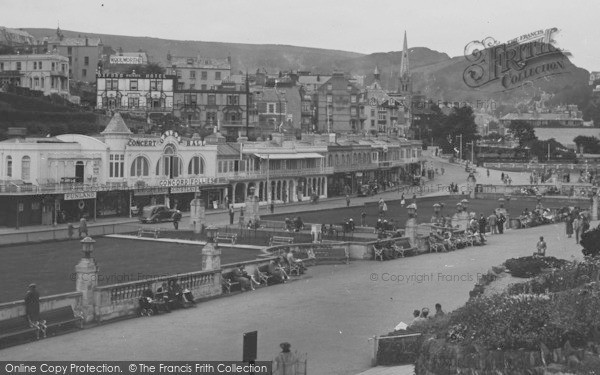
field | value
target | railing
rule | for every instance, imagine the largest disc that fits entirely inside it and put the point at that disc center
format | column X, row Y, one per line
column 60, row 187
column 16, row 309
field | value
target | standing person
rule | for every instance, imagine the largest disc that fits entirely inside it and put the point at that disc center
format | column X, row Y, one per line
column 500, row 223
column 286, row 362
column 385, row 208
column 347, row 200
column 83, row 227
column 438, row 311
column 541, row 248
column 492, row 222
column 488, row 173
column 585, row 224
column 231, row 214
column 482, row 225
column 577, row 228
column 569, row 224
column 272, row 207
column 402, row 200
column 363, row 218
column 502, row 177
column 176, row 219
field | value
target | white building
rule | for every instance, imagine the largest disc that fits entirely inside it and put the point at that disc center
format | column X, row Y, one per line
column 47, row 73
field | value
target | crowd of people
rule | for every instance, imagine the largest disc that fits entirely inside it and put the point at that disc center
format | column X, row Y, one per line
column 168, row 296
column 421, row 316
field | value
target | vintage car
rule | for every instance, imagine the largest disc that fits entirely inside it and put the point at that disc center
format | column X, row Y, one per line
column 157, row 213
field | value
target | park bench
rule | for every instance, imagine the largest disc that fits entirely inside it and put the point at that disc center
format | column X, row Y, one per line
column 231, row 237
column 332, row 254
column 262, row 274
column 152, row 231
column 280, row 240
column 15, row 328
column 403, row 247
column 61, row 318
column 227, row 283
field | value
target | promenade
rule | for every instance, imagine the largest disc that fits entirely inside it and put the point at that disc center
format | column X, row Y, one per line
column 330, row 313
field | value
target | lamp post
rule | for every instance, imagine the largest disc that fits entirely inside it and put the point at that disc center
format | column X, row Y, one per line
column 460, row 147
column 211, row 255
column 87, row 247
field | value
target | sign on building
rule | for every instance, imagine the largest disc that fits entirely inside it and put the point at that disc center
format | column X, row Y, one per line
column 128, row 60
column 80, row 195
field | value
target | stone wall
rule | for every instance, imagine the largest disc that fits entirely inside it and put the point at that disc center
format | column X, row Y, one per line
column 17, row 308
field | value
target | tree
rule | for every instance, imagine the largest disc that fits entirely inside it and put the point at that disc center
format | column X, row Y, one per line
column 523, row 131
column 461, row 122
column 590, row 145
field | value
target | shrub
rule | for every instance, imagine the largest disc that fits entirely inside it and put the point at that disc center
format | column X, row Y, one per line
column 590, row 241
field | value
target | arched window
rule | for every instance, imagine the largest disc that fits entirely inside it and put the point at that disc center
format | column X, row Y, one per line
column 330, row 160
column 26, row 168
column 196, row 166
column 139, row 167
column 169, row 165
column 337, row 159
column 354, row 158
column 8, row 166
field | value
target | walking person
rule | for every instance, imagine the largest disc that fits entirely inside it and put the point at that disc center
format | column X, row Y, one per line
column 569, row 225
column 176, row 219
column 482, row 224
column 83, row 227
column 577, row 228
column 492, row 222
column 347, row 200
column 272, row 207
column 363, row 218
column 286, row 362
column 488, row 173
column 500, row 223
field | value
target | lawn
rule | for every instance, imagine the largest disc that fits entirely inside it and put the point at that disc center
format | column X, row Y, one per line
column 51, row 264
column 400, row 214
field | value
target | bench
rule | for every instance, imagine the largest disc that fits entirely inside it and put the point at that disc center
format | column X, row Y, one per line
column 61, row 317
column 262, row 273
column 227, row 283
column 15, row 328
column 332, row 254
column 279, row 240
column 231, row 237
column 403, row 247
column 152, row 231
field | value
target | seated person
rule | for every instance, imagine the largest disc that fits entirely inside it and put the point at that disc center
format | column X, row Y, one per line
column 181, row 295
column 417, row 318
column 147, row 302
column 289, row 257
column 277, row 273
column 238, row 276
column 541, row 248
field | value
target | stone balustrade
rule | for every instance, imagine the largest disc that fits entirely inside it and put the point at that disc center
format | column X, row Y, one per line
column 16, row 309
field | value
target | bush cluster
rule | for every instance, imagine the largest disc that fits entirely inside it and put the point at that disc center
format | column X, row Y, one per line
column 532, row 266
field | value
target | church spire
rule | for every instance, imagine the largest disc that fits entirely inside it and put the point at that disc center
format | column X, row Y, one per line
column 404, row 68
column 376, row 74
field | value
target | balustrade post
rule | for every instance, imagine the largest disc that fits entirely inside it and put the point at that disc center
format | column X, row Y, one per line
column 87, row 279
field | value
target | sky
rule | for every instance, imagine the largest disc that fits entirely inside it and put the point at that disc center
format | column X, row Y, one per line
column 365, row 26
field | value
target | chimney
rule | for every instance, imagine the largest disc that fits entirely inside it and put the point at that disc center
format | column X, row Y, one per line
column 87, row 42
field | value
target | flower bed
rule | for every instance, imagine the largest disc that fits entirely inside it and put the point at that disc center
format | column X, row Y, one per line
column 532, row 266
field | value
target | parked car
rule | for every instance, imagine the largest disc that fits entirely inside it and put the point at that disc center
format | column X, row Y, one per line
column 157, row 213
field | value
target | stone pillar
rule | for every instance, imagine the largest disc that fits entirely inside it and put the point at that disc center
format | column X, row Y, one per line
column 197, row 215
column 233, row 189
column 595, row 200
column 87, row 279
column 325, row 183
column 211, row 254
column 410, row 230
column 252, row 212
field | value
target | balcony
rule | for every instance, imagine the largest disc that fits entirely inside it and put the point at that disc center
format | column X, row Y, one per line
column 59, row 73
column 276, row 173
column 9, row 188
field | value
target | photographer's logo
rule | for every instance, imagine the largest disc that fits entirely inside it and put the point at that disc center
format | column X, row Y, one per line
column 515, row 63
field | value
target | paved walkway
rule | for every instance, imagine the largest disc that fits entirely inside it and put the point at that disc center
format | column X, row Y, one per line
column 329, row 314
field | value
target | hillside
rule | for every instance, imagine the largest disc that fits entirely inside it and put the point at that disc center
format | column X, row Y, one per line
column 434, row 73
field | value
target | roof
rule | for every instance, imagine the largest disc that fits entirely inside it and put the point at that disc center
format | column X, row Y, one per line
column 76, row 42
column 199, row 62
column 299, row 155
column 313, row 80
column 228, row 149
column 116, row 126
column 268, row 94
column 540, row 116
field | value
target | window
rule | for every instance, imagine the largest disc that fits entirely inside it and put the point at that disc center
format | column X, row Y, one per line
column 26, row 168
column 156, row 85
column 203, row 87
column 329, row 99
column 134, row 102
column 42, row 82
column 353, row 111
column 212, row 99
column 180, row 85
column 192, row 74
column 112, row 84
column 204, row 75
column 271, row 108
column 192, row 86
column 34, row 65
column 36, row 81
column 170, row 164
column 232, row 99
column 1, row 66
column 69, row 50
column 84, row 72
column 86, row 60
column 18, row 65
column 116, row 165
column 218, row 76
column 329, row 87
column 349, row 87
column 211, row 117
column 352, row 98
column 372, row 113
column 178, row 72
column 8, row 166
column 196, row 166
column 139, row 167
column 133, row 84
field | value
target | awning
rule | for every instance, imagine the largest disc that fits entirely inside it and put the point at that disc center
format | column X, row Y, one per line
column 300, row 155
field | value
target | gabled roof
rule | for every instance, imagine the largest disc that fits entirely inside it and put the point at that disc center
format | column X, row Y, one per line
column 116, row 126
column 228, row 149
